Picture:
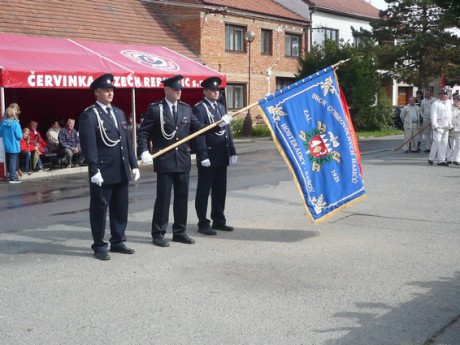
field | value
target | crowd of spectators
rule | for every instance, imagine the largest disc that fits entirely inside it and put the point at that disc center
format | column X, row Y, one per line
column 26, row 149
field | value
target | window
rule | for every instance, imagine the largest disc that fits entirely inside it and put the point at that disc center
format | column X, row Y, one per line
column 292, row 45
column 357, row 42
column 281, row 83
column 235, row 96
column 234, row 38
column 320, row 35
column 266, row 42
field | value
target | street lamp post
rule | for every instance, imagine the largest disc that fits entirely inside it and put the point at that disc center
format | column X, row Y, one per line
column 247, row 125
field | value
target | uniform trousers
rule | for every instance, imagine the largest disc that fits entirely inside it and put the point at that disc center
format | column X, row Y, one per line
column 165, row 183
column 454, row 152
column 115, row 197
column 425, row 136
column 439, row 145
column 409, row 132
column 211, row 180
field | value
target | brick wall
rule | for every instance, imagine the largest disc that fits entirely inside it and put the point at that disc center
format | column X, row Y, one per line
column 205, row 34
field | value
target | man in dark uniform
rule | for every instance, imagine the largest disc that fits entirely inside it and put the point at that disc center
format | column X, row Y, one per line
column 165, row 123
column 105, row 143
column 215, row 151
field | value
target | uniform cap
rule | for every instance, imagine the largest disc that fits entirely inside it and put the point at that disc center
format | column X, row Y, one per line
column 173, row 82
column 104, row 81
column 443, row 92
column 456, row 97
column 212, row 83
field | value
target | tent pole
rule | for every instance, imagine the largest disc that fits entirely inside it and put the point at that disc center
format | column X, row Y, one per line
column 2, row 96
column 133, row 110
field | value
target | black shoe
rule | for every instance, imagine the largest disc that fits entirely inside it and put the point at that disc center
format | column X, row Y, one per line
column 160, row 242
column 182, row 238
column 455, row 163
column 222, row 227
column 102, row 255
column 444, row 164
column 427, row 150
column 430, row 162
column 121, row 248
column 207, row 231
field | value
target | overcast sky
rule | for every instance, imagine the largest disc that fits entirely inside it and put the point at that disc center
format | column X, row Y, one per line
column 380, row 4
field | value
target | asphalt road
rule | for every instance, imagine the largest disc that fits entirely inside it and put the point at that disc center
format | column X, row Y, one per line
column 385, row 271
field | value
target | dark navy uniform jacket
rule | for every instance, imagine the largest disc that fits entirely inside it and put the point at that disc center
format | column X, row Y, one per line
column 178, row 159
column 115, row 163
column 216, row 148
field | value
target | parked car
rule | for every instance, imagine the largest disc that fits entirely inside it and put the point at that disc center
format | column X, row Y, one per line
column 397, row 122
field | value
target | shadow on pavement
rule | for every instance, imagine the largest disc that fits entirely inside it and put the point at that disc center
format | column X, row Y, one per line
column 433, row 316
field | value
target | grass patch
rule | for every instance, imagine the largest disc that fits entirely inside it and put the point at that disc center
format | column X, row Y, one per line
column 376, row 134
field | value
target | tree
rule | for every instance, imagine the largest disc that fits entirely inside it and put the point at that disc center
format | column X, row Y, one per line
column 369, row 107
column 415, row 43
column 452, row 7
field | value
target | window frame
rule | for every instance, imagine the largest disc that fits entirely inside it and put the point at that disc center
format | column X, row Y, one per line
column 266, row 40
column 234, row 43
column 291, row 48
column 232, row 96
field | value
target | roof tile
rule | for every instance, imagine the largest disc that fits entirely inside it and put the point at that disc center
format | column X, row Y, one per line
column 354, row 7
column 267, row 7
column 117, row 21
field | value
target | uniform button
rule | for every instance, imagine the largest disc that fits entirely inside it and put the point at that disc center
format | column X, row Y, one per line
column 177, row 148
column 177, row 139
column 122, row 147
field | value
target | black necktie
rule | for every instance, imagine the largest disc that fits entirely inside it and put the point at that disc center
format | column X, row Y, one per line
column 216, row 108
column 174, row 111
column 109, row 112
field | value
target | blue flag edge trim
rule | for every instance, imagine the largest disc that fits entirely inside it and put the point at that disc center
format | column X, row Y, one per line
column 299, row 188
column 295, row 85
column 288, row 162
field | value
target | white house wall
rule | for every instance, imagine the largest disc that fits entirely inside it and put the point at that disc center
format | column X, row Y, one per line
column 342, row 23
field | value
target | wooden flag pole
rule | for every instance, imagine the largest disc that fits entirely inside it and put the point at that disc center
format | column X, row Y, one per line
column 341, row 62
column 203, row 130
column 207, row 128
column 412, row 137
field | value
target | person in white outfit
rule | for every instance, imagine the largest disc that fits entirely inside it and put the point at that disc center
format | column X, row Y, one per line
column 454, row 156
column 425, row 110
column 441, row 122
column 410, row 116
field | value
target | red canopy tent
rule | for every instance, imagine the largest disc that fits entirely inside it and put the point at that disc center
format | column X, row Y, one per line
column 41, row 63
column 49, row 78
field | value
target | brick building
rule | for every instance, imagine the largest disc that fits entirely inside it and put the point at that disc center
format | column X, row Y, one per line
column 210, row 32
column 216, row 31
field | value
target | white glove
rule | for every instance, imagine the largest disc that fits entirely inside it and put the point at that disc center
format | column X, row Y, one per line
column 146, row 158
column 233, row 159
column 206, row 163
column 136, row 174
column 97, row 178
column 226, row 119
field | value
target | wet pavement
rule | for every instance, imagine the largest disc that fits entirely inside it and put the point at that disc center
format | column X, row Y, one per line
column 383, row 272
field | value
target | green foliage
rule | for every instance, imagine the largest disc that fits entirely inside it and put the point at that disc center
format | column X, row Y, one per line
column 261, row 131
column 237, row 127
column 257, row 131
column 424, row 45
column 369, row 107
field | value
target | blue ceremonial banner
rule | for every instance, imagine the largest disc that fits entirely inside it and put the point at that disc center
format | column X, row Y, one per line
column 312, row 129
